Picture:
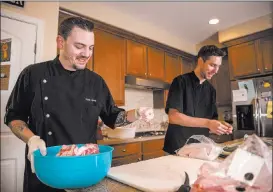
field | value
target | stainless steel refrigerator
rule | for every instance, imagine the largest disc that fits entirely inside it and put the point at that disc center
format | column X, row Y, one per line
column 252, row 107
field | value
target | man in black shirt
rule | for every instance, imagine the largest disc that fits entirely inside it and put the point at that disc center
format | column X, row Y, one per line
column 59, row 102
column 191, row 102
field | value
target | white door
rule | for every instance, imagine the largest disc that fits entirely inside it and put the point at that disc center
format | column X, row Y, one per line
column 23, row 38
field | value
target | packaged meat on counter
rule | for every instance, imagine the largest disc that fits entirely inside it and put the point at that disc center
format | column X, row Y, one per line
column 248, row 169
column 205, row 149
column 73, row 150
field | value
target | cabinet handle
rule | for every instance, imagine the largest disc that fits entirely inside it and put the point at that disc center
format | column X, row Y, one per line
column 123, row 150
column 258, row 69
column 139, row 159
column 150, row 74
column 265, row 68
column 145, row 73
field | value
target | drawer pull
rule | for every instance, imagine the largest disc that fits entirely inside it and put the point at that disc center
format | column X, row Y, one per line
column 123, row 150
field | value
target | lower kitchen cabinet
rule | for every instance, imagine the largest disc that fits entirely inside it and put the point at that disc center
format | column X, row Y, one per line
column 133, row 152
column 126, row 160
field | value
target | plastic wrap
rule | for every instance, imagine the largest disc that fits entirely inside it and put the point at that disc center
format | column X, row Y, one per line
column 248, row 168
column 206, row 149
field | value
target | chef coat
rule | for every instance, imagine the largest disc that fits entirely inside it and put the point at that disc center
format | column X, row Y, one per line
column 60, row 106
column 191, row 98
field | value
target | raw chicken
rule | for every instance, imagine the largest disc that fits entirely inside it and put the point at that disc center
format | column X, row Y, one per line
column 73, row 150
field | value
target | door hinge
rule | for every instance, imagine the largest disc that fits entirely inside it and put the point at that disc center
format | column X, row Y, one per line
column 35, row 48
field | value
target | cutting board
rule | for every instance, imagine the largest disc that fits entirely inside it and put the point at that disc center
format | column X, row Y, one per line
column 163, row 174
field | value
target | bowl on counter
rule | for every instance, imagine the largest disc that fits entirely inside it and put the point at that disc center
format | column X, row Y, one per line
column 72, row 172
column 121, row 132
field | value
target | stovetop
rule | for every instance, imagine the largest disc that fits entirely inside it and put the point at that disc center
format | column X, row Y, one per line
column 149, row 133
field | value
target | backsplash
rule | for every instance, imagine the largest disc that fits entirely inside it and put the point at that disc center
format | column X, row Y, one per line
column 135, row 98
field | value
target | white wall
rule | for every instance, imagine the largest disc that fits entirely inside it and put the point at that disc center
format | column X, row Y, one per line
column 246, row 28
column 104, row 13
column 47, row 12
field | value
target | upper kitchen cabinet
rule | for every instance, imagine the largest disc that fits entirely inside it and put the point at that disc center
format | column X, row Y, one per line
column 221, row 83
column 156, row 68
column 251, row 55
column 136, row 59
column 187, row 65
column 109, row 62
column 243, row 60
column 265, row 46
column 172, row 67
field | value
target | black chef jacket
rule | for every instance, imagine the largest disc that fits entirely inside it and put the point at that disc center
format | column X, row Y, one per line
column 60, row 106
column 191, row 98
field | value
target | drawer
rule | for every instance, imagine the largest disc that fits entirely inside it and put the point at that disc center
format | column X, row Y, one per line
column 126, row 160
column 152, row 145
column 153, row 155
column 126, row 149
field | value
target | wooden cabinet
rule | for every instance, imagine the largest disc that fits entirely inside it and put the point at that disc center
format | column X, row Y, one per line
column 126, row 149
column 188, row 65
column 136, row 59
column 251, row 55
column 156, row 69
column 243, row 60
column 172, row 67
column 109, row 62
column 152, row 149
column 265, row 46
column 127, row 153
column 221, row 82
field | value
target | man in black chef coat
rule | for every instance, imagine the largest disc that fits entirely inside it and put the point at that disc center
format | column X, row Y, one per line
column 59, row 102
column 191, row 102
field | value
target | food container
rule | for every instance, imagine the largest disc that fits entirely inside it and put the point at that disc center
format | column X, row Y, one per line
column 122, row 132
column 72, row 172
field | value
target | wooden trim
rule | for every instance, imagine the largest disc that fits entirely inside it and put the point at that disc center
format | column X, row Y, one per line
column 127, row 35
column 248, row 38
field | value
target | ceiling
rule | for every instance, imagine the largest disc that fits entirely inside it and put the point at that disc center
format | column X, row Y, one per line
column 189, row 20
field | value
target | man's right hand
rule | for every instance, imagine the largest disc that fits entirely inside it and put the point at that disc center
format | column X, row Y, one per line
column 35, row 143
column 218, row 128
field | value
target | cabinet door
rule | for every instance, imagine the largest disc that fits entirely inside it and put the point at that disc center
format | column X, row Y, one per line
column 156, row 64
column 109, row 62
column 266, row 53
column 221, row 83
column 243, row 60
column 172, row 67
column 187, row 65
column 136, row 59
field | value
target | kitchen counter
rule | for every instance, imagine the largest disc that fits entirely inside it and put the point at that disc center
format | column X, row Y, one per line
column 110, row 141
column 110, row 185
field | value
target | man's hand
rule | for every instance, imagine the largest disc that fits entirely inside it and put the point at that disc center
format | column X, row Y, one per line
column 145, row 113
column 35, row 143
column 219, row 128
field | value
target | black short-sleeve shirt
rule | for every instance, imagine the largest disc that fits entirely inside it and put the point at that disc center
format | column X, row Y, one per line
column 191, row 98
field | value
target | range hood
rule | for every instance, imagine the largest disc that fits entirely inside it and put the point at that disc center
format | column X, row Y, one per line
column 141, row 83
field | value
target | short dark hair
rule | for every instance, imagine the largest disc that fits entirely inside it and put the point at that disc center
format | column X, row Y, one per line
column 210, row 50
column 68, row 24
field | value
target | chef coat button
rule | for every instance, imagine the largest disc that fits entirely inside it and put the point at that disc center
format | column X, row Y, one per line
column 47, row 115
column 44, row 81
column 49, row 133
column 46, row 98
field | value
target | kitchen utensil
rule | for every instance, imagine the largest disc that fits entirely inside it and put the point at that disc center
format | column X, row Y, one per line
column 72, row 171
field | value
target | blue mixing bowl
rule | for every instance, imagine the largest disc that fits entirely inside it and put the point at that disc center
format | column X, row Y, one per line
column 74, row 171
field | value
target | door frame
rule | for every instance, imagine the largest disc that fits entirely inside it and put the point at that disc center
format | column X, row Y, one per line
column 30, row 20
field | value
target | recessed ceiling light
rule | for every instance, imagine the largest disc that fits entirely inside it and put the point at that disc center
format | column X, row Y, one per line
column 213, row 21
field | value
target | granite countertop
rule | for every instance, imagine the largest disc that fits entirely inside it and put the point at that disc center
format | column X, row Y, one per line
column 110, row 141
column 110, row 185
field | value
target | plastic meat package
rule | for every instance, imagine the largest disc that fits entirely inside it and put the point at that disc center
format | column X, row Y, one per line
column 248, row 168
column 73, row 150
column 206, row 149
